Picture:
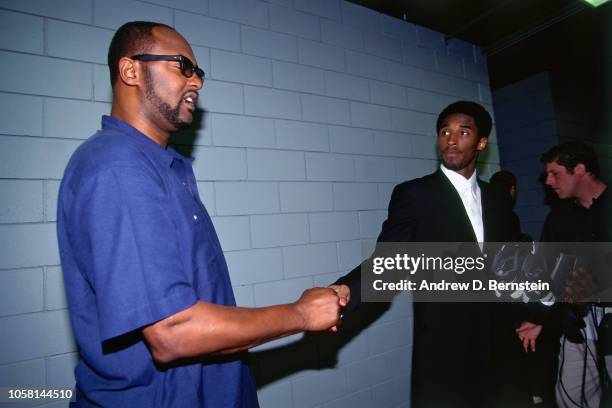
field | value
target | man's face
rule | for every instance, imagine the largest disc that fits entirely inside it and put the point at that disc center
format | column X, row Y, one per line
column 459, row 143
column 563, row 182
column 170, row 97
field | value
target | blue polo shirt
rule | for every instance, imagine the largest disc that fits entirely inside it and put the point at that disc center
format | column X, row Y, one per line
column 138, row 246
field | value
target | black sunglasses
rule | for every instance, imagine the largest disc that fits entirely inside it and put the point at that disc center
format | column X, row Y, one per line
column 187, row 67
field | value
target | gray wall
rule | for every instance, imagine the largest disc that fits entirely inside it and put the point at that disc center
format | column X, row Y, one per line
column 527, row 127
column 314, row 109
column 532, row 116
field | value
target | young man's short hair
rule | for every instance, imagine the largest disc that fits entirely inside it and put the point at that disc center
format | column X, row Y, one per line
column 570, row 154
column 504, row 179
column 481, row 117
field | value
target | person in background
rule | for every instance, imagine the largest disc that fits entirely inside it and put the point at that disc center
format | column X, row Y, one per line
column 505, row 180
column 584, row 215
column 539, row 361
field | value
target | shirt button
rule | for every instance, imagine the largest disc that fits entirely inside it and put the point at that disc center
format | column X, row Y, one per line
column 195, row 217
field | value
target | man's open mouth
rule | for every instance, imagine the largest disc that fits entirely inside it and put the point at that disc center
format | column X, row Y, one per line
column 190, row 101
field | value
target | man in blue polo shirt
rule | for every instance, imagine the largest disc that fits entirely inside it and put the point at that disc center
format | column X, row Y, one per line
column 149, row 293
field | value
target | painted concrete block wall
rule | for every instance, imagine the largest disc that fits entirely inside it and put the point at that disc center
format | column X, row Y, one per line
column 313, row 110
column 527, row 126
column 532, row 116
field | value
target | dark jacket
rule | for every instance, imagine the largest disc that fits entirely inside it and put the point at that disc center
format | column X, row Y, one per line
column 460, row 350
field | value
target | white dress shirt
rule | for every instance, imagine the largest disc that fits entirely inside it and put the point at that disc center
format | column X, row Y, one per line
column 469, row 191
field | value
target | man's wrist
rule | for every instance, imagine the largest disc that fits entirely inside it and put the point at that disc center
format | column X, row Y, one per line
column 300, row 316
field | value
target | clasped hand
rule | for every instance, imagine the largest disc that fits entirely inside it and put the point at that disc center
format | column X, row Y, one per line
column 320, row 308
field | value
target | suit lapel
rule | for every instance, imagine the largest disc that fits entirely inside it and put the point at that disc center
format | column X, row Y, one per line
column 488, row 221
column 451, row 202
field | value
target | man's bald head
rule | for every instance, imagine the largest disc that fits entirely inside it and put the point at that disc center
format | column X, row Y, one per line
column 135, row 37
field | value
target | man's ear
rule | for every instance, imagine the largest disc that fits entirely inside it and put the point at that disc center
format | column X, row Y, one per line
column 482, row 144
column 128, row 72
column 579, row 169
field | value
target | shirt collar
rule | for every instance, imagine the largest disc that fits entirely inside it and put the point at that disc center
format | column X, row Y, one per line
column 165, row 155
column 460, row 183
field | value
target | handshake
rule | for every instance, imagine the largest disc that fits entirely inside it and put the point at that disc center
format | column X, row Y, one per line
column 320, row 308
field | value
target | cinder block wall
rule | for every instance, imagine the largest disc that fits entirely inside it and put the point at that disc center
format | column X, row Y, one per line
column 535, row 114
column 313, row 110
column 527, row 127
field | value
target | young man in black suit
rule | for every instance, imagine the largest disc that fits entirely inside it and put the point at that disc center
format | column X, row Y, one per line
column 460, row 350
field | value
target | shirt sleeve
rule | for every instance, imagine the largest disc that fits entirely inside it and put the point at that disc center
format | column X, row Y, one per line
column 400, row 225
column 128, row 249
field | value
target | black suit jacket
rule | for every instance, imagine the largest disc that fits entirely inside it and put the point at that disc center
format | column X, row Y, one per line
column 456, row 349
